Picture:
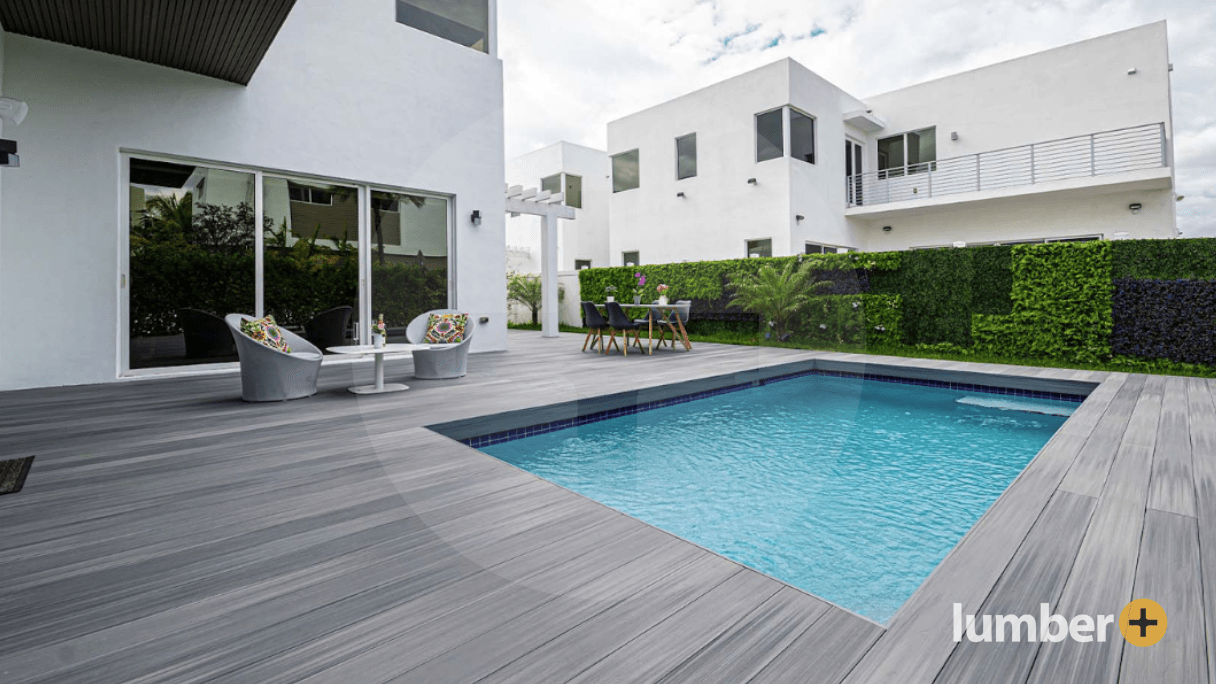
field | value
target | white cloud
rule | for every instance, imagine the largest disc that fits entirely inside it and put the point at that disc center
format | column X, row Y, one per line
column 574, row 65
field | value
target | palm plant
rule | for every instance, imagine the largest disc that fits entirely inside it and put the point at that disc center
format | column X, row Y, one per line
column 777, row 296
column 527, row 290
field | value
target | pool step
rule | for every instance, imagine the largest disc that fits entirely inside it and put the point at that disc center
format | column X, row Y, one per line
column 1028, row 406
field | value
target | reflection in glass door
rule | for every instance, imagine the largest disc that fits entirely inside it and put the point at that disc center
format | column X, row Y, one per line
column 409, row 257
column 191, row 261
column 311, row 258
column 853, row 171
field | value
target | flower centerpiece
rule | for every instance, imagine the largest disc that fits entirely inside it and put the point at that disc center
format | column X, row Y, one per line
column 609, row 291
column 379, row 332
column 637, row 291
column 662, row 289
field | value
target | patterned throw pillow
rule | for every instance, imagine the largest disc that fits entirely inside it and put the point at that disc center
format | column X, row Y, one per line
column 446, row 328
column 265, row 331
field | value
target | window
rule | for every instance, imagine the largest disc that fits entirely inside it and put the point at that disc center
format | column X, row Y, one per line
column 466, row 22
column 760, row 248
column 802, row 136
column 580, row 264
column 574, row 191
column 311, row 195
column 910, row 152
column 816, row 248
column 551, row 184
column 630, row 258
column 686, row 156
column 770, row 140
column 625, row 171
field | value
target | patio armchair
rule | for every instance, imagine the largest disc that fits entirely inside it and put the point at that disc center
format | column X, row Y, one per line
column 440, row 361
column 328, row 328
column 206, row 334
column 619, row 322
column 268, row 374
column 596, row 324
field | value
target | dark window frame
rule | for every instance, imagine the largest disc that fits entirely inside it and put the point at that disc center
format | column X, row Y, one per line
column 680, row 154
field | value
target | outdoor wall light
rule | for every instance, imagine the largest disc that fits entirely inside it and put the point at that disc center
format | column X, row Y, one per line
column 751, row 181
column 476, row 217
column 799, row 218
column 954, row 135
column 886, row 229
column 679, row 194
column 1131, row 71
column 13, row 110
column 484, row 319
column 1135, row 207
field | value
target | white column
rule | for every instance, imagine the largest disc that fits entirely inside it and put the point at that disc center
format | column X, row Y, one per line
column 548, row 274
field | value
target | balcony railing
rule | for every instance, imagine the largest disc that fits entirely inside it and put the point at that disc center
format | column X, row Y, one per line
column 1097, row 154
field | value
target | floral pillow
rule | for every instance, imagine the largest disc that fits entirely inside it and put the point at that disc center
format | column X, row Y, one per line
column 446, row 328
column 265, row 330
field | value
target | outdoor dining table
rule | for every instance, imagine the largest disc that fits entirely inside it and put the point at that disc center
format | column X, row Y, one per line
column 668, row 308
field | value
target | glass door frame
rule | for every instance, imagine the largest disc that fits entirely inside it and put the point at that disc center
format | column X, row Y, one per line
column 364, row 190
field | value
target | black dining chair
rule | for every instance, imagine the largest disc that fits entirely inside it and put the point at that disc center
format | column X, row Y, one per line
column 619, row 322
column 596, row 324
column 674, row 320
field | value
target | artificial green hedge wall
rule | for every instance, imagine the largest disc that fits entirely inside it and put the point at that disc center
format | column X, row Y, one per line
column 1191, row 259
column 1061, row 305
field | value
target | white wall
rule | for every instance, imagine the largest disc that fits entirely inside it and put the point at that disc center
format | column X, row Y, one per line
column 584, row 237
column 720, row 210
column 344, row 92
column 1021, row 218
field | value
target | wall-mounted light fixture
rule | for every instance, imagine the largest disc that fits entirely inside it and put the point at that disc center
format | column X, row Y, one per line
column 8, row 154
column 799, row 218
column 1131, row 71
column 886, row 229
column 1135, row 207
column 476, row 217
column 751, row 181
column 960, row 243
column 679, row 194
column 13, row 110
column 954, row 135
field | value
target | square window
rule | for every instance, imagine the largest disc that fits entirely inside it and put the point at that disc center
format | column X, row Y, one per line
column 760, row 248
column 574, row 191
column 625, row 174
column 770, row 140
column 686, row 156
column 580, row 264
column 631, row 258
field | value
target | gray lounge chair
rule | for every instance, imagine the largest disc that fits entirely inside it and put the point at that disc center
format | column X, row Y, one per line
column 268, row 374
column 441, row 361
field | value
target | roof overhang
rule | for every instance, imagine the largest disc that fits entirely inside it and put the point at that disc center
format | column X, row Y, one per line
column 224, row 39
column 865, row 120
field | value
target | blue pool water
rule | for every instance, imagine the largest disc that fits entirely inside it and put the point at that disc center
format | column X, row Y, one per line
column 851, row 490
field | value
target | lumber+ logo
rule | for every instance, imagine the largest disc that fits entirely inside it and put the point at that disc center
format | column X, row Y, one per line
column 1142, row 622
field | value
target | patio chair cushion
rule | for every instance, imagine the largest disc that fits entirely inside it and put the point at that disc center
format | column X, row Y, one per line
column 446, row 328
column 265, row 330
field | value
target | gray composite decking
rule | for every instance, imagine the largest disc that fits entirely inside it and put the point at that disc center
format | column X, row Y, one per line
column 170, row 533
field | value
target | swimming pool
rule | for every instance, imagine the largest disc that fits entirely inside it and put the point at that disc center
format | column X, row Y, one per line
column 853, row 490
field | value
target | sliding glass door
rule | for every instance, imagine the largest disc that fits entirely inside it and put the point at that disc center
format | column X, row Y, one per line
column 409, row 257
column 191, row 261
column 328, row 258
column 310, row 248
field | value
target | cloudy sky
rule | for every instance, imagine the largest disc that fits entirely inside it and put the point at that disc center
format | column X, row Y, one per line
column 574, row 65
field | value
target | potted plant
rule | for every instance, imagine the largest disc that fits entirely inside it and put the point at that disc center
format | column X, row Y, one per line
column 609, row 290
column 637, row 291
column 379, row 333
column 662, row 289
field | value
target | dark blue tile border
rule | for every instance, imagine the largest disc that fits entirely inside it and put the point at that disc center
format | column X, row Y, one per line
column 543, row 428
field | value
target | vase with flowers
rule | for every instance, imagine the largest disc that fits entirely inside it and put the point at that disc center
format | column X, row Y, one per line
column 609, row 292
column 379, row 333
column 662, row 290
column 637, row 291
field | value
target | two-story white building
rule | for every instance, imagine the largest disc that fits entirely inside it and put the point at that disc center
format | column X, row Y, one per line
column 1070, row 143
column 176, row 155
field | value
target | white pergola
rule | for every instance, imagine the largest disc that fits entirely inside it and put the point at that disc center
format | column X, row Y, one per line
column 548, row 206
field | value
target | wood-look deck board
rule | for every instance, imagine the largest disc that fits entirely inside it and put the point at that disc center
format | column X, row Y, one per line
column 171, row 533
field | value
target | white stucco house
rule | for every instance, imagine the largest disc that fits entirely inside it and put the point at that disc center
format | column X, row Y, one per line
column 1070, row 143
column 369, row 132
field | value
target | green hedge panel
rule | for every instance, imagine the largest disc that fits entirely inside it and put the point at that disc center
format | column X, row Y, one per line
column 1191, row 259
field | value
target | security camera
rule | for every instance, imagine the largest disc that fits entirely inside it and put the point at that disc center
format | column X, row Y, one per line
column 13, row 110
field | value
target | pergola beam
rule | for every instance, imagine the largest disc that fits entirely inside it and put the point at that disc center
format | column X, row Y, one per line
column 546, row 205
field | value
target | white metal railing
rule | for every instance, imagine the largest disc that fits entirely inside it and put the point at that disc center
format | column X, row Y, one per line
column 1096, row 154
